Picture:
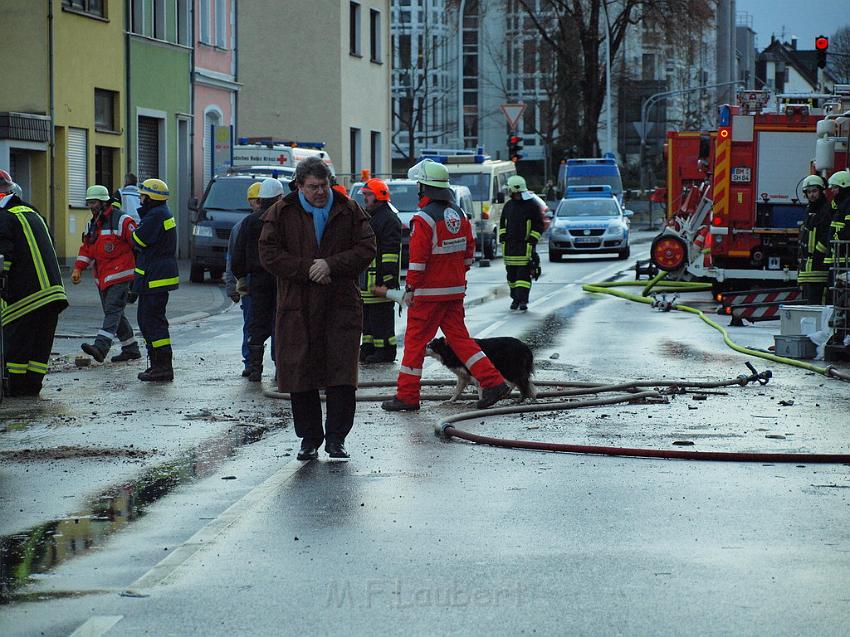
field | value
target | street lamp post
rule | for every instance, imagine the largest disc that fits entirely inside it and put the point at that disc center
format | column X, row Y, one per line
column 460, row 73
column 608, row 124
column 644, row 110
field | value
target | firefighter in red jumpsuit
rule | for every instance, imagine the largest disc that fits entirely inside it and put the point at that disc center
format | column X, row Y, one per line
column 441, row 251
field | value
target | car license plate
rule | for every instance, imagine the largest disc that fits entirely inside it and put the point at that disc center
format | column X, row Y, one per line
column 587, row 240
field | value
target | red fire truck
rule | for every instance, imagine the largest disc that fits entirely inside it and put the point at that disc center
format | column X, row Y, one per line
column 734, row 204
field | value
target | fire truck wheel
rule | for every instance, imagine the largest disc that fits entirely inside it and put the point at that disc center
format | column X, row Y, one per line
column 668, row 252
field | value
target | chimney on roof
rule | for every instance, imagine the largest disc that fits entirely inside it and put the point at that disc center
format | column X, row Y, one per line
column 772, row 38
column 794, row 42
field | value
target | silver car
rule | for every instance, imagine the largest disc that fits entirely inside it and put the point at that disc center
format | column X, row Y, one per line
column 589, row 224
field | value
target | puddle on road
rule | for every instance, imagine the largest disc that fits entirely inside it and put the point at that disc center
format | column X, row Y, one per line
column 684, row 351
column 24, row 556
column 545, row 334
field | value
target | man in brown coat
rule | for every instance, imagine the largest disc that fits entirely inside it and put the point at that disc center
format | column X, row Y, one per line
column 316, row 242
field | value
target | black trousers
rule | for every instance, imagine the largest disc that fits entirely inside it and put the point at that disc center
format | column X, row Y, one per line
column 815, row 293
column 27, row 342
column 519, row 281
column 263, row 287
column 379, row 325
column 152, row 321
column 307, row 414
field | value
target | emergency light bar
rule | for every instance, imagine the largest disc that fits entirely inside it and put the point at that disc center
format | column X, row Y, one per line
column 269, row 142
column 606, row 161
column 455, row 155
column 574, row 192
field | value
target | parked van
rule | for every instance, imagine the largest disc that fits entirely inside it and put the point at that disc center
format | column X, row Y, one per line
column 224, row 203
column 487, row 180
column 599, row 171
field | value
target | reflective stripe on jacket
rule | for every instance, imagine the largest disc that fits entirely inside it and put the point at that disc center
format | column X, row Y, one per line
column 30, row 262
column 519, row 230
column 385, row 268
column 108, row 248
column 155, row 241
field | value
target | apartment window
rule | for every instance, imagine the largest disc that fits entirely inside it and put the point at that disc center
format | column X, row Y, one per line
column 220, row 23
column 375, row 36
column 137, row 17
column 404, row 51
column 91, row 7
column 104, row 167
column 648, row 66
column 354, row 149
column 105, row 110
column 354, row 28
column 184, row 33
column 159, row 19
column 375, row 153
column 204, row 19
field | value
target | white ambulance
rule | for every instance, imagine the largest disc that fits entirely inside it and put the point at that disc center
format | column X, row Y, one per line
column 272, row 153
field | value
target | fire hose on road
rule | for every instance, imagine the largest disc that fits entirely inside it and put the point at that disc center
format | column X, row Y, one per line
column 627, row 392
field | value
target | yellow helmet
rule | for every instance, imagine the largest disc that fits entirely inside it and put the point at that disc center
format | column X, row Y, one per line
column 254, row 190
column 155, row 189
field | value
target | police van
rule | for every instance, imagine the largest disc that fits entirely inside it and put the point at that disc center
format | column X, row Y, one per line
column 487, row 180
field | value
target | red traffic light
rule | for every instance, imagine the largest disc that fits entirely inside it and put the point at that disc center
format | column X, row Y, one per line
column 821, row 43
column 515, row 140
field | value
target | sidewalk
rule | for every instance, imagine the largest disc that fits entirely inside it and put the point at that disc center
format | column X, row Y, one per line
column 191, row 302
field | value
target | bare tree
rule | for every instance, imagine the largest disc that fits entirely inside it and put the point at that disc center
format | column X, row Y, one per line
column 424, row 62
column 576, row 29
column 838, row 56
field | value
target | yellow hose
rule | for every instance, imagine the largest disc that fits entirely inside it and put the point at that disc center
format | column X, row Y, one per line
column 606, row 287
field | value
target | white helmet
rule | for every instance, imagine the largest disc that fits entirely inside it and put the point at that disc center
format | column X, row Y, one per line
column 270, row 188
column 430, row 173
column 841, row 179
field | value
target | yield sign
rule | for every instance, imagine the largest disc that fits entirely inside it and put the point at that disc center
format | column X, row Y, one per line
column 512, row 113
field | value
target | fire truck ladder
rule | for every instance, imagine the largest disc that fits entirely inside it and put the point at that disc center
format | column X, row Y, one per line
column 756, row 305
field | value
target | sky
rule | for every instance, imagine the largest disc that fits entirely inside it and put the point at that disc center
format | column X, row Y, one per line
column 806, row 19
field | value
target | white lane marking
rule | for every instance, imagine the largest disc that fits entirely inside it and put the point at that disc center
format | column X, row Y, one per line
column 97, row 625
column 208, row 534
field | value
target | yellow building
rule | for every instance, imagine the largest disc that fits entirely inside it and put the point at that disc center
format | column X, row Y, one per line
column 72, row 56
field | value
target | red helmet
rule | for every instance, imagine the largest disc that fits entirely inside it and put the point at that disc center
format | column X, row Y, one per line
column 5, row 182
column 377, row 187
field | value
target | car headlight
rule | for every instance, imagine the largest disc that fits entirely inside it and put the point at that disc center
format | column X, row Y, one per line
column 560, row 231
column 202, row 231
column 615, row 229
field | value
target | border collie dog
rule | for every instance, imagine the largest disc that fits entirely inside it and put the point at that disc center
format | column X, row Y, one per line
column 510, row 356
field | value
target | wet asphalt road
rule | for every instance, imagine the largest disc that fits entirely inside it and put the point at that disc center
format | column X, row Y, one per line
column 220, row 532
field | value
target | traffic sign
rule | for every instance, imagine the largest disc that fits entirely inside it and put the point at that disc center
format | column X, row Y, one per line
column 512, row 113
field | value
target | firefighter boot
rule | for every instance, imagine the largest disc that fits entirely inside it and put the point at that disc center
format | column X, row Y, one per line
column 161, row 369
column 366, row 350
column 128, row 353
column 255, row 362
column 491, row 395
column 382, row 355
column 95, row 352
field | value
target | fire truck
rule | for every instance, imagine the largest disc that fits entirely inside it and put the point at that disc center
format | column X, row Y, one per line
column 733, row 201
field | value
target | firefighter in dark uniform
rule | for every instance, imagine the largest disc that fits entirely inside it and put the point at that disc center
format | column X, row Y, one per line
column 378, row 344
column 813, row 273
column 155, row 241
column 33, row 295
column 519, row 230
column 839, row 258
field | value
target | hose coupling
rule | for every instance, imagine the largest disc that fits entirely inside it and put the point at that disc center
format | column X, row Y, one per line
column 761, row 377
column 440, row 429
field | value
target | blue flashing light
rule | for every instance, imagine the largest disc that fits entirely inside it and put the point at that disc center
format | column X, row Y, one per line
column 576, row 192
column 600, row 161
column 438, row 158
column 725, row 115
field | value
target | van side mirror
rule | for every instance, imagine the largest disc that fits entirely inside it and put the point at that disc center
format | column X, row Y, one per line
column 628, row 213
column 500, row 197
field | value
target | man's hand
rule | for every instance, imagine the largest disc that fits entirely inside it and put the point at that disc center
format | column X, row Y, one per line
column 242, row 288
column 379, row 290
column 132, row 297
column 235, row 297
column 320, row 272
column 407, row 299
column 75, row 276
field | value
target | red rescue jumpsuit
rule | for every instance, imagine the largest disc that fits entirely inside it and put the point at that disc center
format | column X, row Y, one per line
column 441, row 251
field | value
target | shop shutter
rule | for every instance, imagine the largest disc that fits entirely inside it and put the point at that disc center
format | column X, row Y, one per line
column 148, row 148
column 77, row 167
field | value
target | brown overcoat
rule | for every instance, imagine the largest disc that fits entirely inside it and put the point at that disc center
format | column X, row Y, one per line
column 317, row 327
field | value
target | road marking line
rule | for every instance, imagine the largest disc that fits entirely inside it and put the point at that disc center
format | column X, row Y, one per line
column 208, row 534
column 97, row 625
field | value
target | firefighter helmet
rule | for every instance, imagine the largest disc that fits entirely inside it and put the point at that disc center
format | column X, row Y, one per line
column 97, row 192
column 5, row 182
column 517, row 184
column 813, row 181
column 155, row 189
column 254, row 191
column 377, row 187
column 430, row 173
column 841, row 179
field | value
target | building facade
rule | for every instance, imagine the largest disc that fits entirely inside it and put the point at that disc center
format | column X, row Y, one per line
column 159, row 109
column 213, row 81
column 324, row 80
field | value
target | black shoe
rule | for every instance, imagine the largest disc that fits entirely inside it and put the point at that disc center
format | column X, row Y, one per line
column 366, row 350
column 309, row 451
column 336, row 450
column 397, row 405
column 94, row 352
column 523, row 308
column 160, row 370
column 126, row 355
column 514, row 306
column 492, row 395
column 246, row 372
column 381, row 355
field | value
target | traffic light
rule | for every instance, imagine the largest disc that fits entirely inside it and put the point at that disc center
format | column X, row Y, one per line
column 822, row 45
column 515, row 148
